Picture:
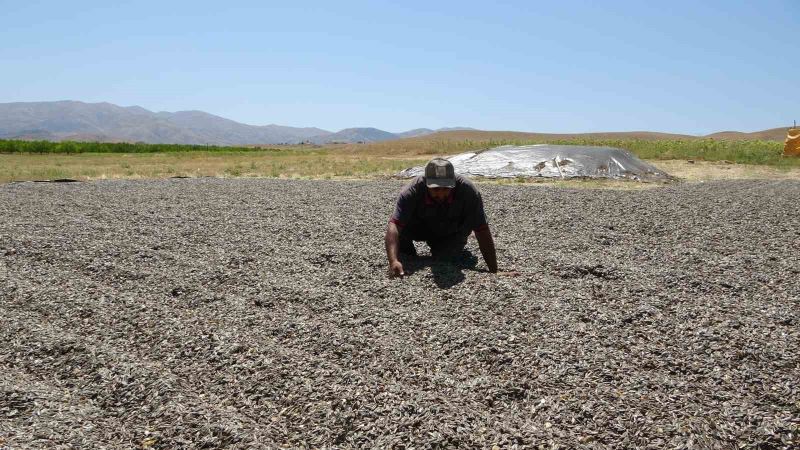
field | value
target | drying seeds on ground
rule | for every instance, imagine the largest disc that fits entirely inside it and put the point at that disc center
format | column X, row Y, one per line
column 254, row 313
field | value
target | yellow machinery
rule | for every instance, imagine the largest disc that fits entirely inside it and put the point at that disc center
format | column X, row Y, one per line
column 792, row 146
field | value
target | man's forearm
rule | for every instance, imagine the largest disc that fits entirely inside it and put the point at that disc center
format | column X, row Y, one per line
column 392, row 241
column 486, row 244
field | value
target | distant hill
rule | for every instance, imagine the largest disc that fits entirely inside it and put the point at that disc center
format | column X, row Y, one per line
column 773, row 134
column 416, row 132
column 355, row 135
column 457, row 129
column 61, row 120
column 426, row 131
column 71, row 120
column 215, row 129
column 106, row 122
column 480, row 135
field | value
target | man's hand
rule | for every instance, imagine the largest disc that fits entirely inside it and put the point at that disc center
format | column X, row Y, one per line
column 392, row 238
column 486, row 244
column 396, row 269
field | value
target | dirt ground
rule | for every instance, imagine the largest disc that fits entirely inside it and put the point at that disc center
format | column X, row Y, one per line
column 250, row 313
column 692, row 170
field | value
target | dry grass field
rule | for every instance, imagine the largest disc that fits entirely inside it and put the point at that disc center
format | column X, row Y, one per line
column 336, row 164
column 715, row 170
column 288, row 164
column 685, row 157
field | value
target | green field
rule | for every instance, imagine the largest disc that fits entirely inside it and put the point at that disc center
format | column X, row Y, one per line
column 36, row 160
column 740, row 152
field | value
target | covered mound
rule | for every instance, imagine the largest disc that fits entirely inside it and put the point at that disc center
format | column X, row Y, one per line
column 551, row 161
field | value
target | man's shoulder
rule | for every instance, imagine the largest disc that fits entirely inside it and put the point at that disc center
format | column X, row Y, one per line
column 413, row 187
column 465, row 184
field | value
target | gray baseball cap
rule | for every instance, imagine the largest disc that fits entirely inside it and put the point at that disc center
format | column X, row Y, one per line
column 440, row 173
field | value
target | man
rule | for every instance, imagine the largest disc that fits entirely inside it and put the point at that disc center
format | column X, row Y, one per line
column 442, row 209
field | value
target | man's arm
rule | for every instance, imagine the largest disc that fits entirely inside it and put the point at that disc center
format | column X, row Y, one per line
column 392, row 240
column 403, row 212
column 486, row 244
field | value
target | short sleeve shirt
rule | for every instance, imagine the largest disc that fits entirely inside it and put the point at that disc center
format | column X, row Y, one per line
column 461, row 213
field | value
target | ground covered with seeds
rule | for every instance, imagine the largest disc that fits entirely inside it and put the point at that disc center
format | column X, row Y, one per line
column 209, row 313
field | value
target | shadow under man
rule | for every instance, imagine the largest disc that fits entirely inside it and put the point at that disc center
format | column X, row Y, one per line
column 447, row 270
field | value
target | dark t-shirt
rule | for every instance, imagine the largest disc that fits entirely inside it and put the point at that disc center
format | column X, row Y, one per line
column 460, row 214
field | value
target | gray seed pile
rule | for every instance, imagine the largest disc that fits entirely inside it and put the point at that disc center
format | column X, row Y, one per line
column 206, row 313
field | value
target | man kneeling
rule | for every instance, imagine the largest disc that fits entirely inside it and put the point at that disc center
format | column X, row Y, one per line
column 442, row 209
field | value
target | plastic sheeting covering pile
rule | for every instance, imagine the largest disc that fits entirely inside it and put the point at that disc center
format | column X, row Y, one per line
column 551, row 161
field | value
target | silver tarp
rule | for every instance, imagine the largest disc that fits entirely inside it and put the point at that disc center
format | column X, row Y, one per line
column 551, row 161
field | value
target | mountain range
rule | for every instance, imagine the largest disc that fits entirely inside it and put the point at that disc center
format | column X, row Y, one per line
column 106, row 122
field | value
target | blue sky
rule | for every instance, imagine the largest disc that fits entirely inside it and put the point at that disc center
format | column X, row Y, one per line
column 692, row 67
